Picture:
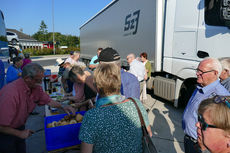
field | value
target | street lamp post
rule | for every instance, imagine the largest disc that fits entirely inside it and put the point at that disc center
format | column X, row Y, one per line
column 53, row 26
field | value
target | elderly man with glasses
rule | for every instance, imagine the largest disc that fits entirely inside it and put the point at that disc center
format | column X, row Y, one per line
column 17, row 100
column 208, row 72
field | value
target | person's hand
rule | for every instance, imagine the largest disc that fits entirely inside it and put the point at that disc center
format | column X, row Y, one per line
column 19, row 74
column 69, row 110
column 26, row 133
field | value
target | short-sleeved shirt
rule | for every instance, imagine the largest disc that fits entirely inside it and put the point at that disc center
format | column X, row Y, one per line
column 201, row 93
column 17, row 101
column 12, row 73
column 115, row 128
column 137, row 68
column 93, row 59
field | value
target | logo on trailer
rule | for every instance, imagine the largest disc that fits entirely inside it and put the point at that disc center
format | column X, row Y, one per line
column 131, row 23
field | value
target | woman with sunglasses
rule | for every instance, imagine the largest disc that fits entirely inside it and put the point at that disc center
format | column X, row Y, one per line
column 213, row 126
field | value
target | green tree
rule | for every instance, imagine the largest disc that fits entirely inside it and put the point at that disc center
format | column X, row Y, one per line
column 41, row 35
column 62, row 40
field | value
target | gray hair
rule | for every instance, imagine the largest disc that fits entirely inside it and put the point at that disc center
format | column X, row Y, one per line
column 132, row 55
column 32, row 69
column 225, row 62
column 215, row 64
column 76, row 70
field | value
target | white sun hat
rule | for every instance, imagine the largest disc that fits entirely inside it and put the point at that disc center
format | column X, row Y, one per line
column 59, row 61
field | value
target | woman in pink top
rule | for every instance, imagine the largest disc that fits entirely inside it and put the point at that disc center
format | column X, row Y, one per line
column 26, row 60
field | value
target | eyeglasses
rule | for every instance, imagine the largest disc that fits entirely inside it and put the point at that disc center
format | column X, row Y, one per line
column 202, row 72
column 219, row 99
column 203, row 124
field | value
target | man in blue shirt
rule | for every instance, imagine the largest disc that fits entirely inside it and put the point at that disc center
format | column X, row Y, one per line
column 94, row 61
column 14, row 71
column 2, row 74
column 207, row 73
column 130, row 86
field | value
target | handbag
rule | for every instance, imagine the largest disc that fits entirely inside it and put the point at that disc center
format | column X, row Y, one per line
column 147, row 144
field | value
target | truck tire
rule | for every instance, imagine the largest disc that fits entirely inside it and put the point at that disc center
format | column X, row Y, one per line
column 185, row 93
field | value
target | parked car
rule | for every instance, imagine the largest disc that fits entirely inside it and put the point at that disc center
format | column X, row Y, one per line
column 12, row 37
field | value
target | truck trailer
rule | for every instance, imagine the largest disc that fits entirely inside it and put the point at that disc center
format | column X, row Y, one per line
column 176, row 35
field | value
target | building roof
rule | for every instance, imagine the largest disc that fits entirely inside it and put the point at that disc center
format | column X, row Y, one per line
column 21, row 35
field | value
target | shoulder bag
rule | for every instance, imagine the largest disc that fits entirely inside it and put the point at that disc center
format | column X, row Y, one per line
column 147, row 144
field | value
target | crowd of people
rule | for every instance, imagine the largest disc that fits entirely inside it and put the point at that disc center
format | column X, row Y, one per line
column 111, row 123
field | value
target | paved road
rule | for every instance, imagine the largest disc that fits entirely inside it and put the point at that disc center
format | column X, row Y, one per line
column 165, row 121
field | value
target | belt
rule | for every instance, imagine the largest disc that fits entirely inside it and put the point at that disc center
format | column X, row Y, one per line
column 190, row 138
column 141, row 80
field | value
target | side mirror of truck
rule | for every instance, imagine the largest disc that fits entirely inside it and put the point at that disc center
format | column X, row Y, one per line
column 217, row 12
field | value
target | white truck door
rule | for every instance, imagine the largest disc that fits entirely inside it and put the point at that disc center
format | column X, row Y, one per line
column 212, row 40
column 185, row 30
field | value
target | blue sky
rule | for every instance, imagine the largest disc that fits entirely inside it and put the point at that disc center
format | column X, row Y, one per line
column 69, row 15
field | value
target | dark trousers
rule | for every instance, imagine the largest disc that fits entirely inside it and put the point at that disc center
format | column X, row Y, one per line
column 190, row 145
column 12, row 144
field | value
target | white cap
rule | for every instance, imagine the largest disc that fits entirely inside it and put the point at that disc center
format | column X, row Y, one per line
column 59, row 61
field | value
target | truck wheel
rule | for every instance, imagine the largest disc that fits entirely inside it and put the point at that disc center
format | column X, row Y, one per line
column 185, row 94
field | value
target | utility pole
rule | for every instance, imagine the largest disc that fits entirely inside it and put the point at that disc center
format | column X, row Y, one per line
column 53, row 27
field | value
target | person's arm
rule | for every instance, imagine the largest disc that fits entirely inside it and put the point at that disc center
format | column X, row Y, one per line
column 79, row 93
column 86, row 148
column 92, row 66
column 149, row 131
column 11, row 131
column 11, row 74
column 67, row 109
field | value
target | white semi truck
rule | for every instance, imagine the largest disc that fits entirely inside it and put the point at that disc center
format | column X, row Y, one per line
column 176, row 35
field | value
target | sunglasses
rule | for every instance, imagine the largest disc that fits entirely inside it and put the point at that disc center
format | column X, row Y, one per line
column 203, row 124
column 219, row 99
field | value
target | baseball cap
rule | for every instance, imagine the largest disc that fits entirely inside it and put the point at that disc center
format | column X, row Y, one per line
column 108, row 55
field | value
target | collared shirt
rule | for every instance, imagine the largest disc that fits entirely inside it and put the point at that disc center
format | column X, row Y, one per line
column 226, row 83
column 115, row 128
column 130, row 86
column 17, row 101
column 12, row 73
column 201, row 93
column 93, row 59
column 137, row 68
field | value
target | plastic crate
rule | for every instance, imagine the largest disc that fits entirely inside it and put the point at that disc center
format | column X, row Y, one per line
column 61, row 136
